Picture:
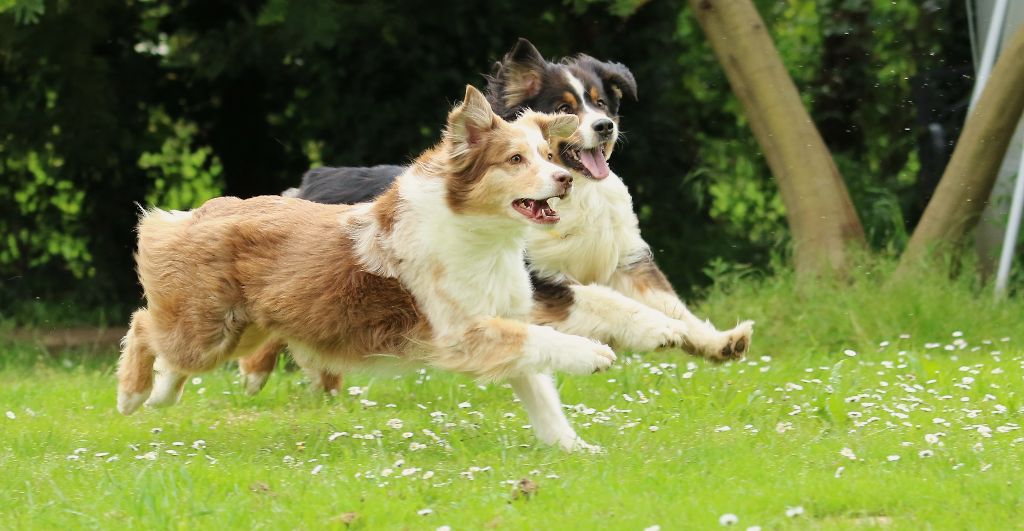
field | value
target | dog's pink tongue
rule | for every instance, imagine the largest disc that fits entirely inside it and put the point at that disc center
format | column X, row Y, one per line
column 594, row 161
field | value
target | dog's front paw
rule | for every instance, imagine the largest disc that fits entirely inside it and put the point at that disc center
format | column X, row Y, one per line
column 584, row 356
column 731, row 344
column 602, row 357
column 570, row 442
column 578, row 445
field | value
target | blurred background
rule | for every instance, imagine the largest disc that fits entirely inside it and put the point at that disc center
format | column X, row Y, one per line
column 107, row 103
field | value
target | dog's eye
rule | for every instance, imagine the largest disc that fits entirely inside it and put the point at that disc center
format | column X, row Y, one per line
column 564, row 108
column 515, row 159
column 551, row 157
column 600, row 103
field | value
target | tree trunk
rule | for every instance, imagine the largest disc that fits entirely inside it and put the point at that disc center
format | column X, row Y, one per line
column 967, row 182
column 821, row 216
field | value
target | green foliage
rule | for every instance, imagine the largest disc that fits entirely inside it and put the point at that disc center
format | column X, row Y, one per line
column 183, row 176
column 25, row 11
column 105, row 103
column 619, row 8
column 854, row 62
column 47, row 208
column 745, row 200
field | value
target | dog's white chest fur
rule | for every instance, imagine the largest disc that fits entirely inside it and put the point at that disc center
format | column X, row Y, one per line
column 456, row 266
column 598, row 231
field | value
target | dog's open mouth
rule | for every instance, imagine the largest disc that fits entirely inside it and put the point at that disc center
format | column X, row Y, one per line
column 590, row 162
column 536, row 210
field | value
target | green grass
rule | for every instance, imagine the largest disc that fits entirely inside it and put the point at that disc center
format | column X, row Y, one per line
column 790, row 410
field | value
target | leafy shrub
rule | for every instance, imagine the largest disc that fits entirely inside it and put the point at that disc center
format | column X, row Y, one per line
column 105, row 103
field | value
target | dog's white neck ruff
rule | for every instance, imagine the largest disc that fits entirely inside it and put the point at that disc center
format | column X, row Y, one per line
column 458, row 267
column 598, row 232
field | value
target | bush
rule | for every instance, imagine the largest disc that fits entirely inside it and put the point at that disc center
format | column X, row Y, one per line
column 104, row 104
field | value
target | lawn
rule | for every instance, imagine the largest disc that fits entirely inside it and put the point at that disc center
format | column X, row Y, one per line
column 860, row 405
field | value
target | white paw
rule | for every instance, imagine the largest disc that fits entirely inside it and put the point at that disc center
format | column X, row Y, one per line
column 167, row 390
column 254, row 382
column 578, row 445
column 586, row 356
column 162, row 401
column 549, row 350
column 128, row 403
column 729, row 344
column 568, row 440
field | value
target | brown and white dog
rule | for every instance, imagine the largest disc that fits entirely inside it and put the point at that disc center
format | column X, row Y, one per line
column 431, row 273
column 593, row 274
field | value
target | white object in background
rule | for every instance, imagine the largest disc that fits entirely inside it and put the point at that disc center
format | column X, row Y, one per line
column 999, row 27
column 1012, row 230
column 989, row 52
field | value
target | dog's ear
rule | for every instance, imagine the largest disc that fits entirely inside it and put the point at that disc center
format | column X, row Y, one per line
column 618, row 79
column 471, row 120
column 517, row 78
column 557, row 125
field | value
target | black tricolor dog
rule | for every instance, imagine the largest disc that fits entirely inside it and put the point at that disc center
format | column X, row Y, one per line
column 523, row 79
column 592, row 272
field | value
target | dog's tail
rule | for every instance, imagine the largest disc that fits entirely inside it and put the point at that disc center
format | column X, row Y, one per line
column 156, row 227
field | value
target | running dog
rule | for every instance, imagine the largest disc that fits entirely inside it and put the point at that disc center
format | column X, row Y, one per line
column 595, row 252
column 430, row 273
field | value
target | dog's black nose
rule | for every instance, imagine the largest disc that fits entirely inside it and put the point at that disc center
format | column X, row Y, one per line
column 564, row 179
column 604, row 127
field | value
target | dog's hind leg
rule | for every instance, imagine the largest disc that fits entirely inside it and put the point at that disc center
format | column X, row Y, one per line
column 256, row 367
column 135, row 368
column 539, row 396
column 168, row 387
column 323, row 378
column 328, row 382
column 197, row 352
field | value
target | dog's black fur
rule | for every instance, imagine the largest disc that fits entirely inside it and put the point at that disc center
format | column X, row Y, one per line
column 522, row 80
column 347, row 185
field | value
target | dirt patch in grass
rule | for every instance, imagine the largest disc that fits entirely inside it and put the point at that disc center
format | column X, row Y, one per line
column 62, row 338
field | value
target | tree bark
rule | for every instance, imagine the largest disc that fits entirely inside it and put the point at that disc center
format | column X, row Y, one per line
column 821, row 216
column 967, row 182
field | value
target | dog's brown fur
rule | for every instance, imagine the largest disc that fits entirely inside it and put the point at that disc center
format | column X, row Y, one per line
column 273, row 263
column 222, row 280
